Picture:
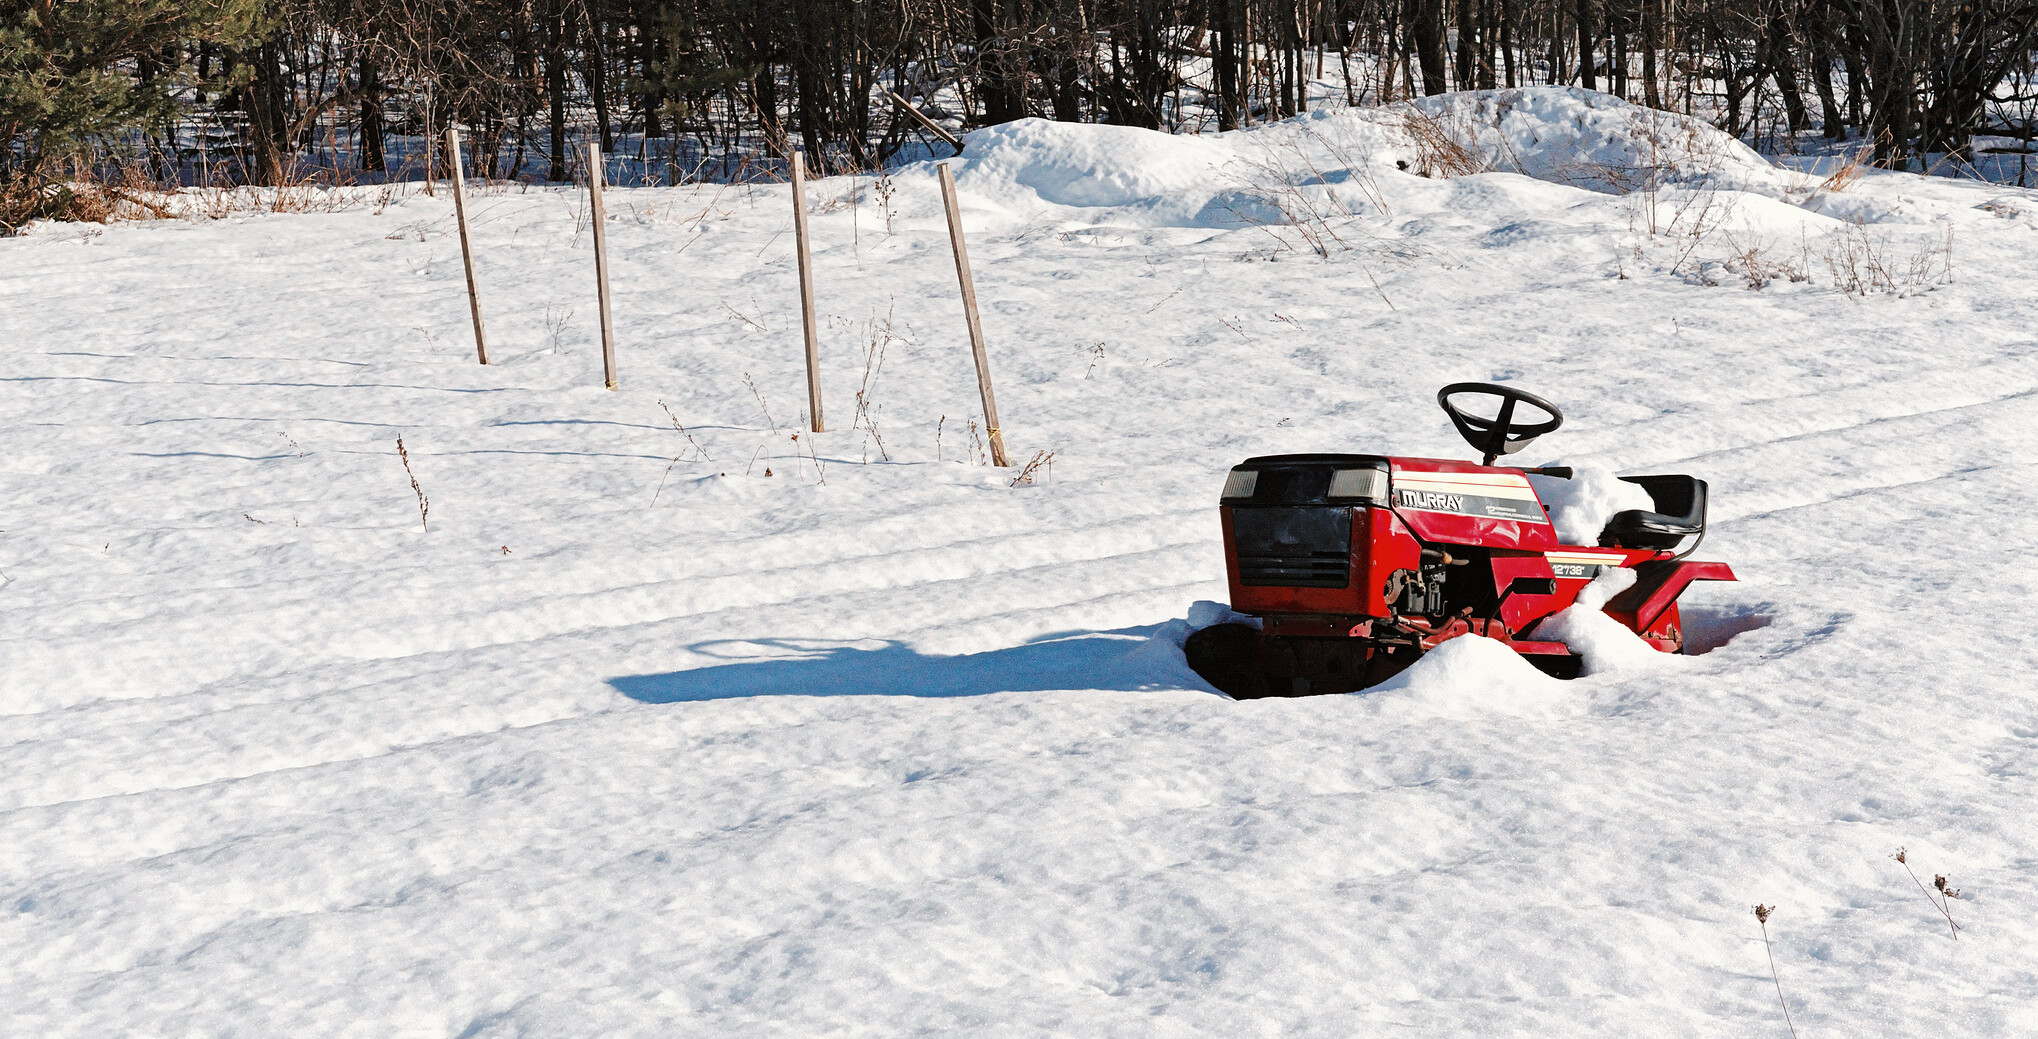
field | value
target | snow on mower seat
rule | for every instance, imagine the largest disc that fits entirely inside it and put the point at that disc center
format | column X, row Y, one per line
column 1680, row 513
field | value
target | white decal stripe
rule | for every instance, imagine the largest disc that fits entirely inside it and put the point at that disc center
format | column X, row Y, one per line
column 1484, row 479
column 1424, row 483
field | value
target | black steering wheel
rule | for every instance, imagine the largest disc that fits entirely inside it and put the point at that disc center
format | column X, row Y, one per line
column 1501, row 434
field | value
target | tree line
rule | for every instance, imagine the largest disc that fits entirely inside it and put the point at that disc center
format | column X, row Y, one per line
column 253, row 90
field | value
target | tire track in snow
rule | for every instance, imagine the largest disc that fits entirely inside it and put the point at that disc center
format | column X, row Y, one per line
column 116, row 748
column 273, row 632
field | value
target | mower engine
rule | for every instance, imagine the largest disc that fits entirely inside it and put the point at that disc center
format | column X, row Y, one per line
column 1356, row 565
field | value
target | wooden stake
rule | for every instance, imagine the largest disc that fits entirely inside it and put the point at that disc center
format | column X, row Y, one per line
column 921, row 118
column 807, row 323
column 601, row 265
column 969, row 306
column 466, row 247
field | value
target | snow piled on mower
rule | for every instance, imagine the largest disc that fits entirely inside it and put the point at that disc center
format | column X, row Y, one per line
column 1581, row 505
column 1606, row 644
column 673, row 725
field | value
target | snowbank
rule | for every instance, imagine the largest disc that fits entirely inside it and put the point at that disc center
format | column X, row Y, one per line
column 1341, row 163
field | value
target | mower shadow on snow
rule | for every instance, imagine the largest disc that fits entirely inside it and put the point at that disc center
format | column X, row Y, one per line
column 1120, row 660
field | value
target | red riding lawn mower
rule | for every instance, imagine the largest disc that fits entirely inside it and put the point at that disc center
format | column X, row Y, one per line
column 1357, row 565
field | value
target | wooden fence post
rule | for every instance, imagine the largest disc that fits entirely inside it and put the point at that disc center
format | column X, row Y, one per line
column 969, row 306
column 466, row 246
column 807, row 290
column 601, row 265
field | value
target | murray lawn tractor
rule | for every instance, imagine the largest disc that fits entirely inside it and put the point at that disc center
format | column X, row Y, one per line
column 1357, row 565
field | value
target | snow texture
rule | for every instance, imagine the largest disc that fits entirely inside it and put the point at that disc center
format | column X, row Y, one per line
column 723, row 733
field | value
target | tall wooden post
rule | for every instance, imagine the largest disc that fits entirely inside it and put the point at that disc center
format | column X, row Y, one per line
column 601, row 265
column 969, row 306
column 466, row 246
column 807, row 324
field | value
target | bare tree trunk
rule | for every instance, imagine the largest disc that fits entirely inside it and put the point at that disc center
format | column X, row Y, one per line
column 1224, row 55
column 372, row 156
column 1002, row 70
column 555, row 86
column 1427, row 27
column 597, row 75
column 1587, row 24
column 1822, row 81
column 1652, row 42
column 1464, row 68
column 1507, row 20
column 263, row 103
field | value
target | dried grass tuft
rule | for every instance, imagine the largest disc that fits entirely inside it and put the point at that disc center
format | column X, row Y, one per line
column 1442, row 150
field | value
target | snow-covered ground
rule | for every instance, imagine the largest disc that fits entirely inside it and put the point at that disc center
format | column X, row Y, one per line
column 832, row 737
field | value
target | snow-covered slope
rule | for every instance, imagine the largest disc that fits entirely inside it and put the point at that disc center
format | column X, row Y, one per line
column 834, row 736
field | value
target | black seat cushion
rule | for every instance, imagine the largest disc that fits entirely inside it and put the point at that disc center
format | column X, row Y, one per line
column 1680, row 513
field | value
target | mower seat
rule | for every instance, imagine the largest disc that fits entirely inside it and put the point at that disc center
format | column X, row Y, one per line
column 1680, row 513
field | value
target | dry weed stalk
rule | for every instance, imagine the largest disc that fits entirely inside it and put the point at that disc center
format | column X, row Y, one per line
column 1699, row 211
column 760, row 402
column 1861, row 264
column 883, row 188
column 1304, row 195
column 1762, row 917
column 1752, row 262
column 878, row 334
column 1096, row 355
column 691, row 442
column 820, row 472
column 424, row 503
column 1712, row 214
column 745, row 318
column 1849, row 171
column 555, row 327
column 1938, row 881
column 1033, row 469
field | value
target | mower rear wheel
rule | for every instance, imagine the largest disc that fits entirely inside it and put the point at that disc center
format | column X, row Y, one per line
column 1557, row 665
column 1222, row 655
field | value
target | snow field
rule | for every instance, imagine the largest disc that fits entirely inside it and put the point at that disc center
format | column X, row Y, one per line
column 889, row 747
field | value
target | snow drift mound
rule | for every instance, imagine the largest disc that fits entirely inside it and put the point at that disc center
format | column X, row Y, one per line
column 1568, row 135
column 1078, row 165
column 1350, row 162
column 1470, row 678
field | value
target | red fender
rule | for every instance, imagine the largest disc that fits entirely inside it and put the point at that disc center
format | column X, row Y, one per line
column 1656, row 588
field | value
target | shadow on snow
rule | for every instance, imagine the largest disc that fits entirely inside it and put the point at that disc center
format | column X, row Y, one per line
column 1121, row 660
